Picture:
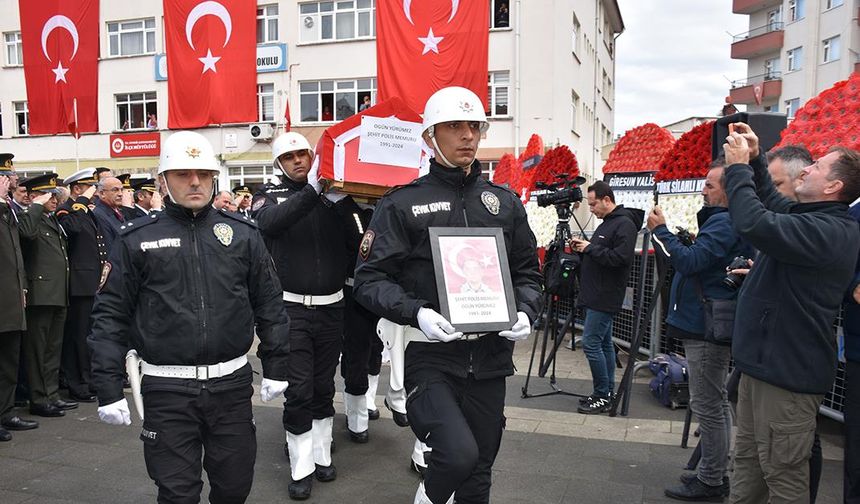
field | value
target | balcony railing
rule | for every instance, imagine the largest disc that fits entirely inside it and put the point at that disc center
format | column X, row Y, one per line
column 769, row 76
column 761, row 30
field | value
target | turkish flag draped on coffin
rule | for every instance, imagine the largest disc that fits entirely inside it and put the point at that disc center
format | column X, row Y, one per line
column 424, row 46
column 211, row 62
column 61, row 53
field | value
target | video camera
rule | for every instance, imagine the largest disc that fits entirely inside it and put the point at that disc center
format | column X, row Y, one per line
column 562, row 192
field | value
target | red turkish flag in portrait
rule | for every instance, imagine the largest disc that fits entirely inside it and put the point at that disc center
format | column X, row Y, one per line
column 61, row 53
column 424, row 46
column 211, row 62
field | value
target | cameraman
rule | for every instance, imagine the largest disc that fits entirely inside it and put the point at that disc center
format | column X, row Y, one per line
column 700, row 271
column 606, row 262
column 783, row 339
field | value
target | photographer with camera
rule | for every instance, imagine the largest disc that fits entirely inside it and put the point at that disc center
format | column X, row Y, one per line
column 783, row 340
column 606, row 261
column 700, row 284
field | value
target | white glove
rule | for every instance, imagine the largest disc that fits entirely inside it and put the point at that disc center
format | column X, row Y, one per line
column 271, row 389
column 314, row 176
column 521, row 329
column 334, row 195
column 115, row 413
column 436, row 327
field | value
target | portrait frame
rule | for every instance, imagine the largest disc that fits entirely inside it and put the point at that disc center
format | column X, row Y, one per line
column 473, row 278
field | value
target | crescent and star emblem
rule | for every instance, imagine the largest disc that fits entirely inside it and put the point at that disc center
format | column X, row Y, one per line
column 52, row 24
column 208, row 8
column 431, row 41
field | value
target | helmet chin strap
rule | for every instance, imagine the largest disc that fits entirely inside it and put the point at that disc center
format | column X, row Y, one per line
column 170, row 195
column 284, row 172
column 439, row 155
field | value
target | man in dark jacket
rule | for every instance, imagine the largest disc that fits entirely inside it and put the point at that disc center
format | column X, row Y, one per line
column 455, row 382
column 303, row 227
column 606, row 261
column 700, row 271
column 87, row 254
column 43, row 245
column 783, row 339
column 109, row 210
column 163, row 294
column 12, row 319
column 851, row 334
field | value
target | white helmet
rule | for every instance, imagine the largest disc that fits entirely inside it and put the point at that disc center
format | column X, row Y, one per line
column 453, row 104
column 187, row 150
column 290, row 142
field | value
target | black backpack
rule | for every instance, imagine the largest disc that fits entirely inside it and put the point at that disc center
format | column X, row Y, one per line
column 560, row 270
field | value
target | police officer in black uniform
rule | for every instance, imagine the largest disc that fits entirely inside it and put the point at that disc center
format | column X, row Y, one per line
column 87, row 255
column 455, row 382
column 304, row 231
column 162, row 293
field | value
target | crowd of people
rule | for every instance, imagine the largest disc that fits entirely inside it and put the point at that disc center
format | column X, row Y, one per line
column 115, row 283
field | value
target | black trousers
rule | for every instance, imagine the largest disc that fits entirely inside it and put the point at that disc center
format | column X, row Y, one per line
column 43, row 345
column 462, row 420
column 315, row 344
column 76, row 353
column 852, row 433
column 10, row 349
column 181, row 429
column 359, row 332
column 374, row 360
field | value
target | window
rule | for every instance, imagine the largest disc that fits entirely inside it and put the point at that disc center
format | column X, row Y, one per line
column 267, row 23
column 604, row 83
column 340, row 20
column 498, row 84
column 771, row 69
column 796, row 9
column 772, row 108
column 774, row 17
column 574, row 110
column 605, row 135
column 500, row 16
column 266, row 102
column 252, row 176
column 791, row 107
column 14, row 49
column 22, row 118
column 829, row 4
column 577, row 29
column 795, row 59
column 830, row 49
column 129, row 38
column 135, row 110
column 334, row 100
column 488, row 168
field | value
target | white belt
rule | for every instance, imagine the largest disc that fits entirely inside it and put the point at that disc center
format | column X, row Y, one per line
column 313, row 300
column 350, row 282
column 195, row 372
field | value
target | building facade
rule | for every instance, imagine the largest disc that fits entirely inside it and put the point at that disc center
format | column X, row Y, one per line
column 795, row 49
column 551, row 72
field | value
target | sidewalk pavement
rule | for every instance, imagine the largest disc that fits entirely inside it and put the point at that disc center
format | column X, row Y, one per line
column 549, row 454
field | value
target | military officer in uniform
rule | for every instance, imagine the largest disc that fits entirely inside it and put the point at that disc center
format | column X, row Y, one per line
column 12, row 318
column 455, row 382
column 43, row 245
column 163, row 294
column 305, row 233
column 242, row 197
column 87, row 255
column 145, row 199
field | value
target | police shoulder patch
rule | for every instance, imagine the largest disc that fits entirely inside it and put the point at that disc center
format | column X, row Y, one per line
column 366, row 244
column 259, row 201
column 138, row 223
column 491, row 202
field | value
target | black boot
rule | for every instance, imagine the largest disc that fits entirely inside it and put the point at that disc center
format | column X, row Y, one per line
column 325, row 473
column 301, row 489
column 688, row 478
column 696, row 491
column 399, row 418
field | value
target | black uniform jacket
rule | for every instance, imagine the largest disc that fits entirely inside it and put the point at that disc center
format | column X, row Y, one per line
column 12, row 277
column 187, row 290
column 87, row 252
column 395, row 276
column 306, row 235
column 43, row 246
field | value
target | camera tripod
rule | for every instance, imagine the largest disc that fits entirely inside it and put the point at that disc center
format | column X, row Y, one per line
column 552, row 311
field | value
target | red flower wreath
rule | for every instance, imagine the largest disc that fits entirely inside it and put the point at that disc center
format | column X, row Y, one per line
column 690, row 156
column 639, row 150
column 506, row 170
column 831, row 118
column 556, row 161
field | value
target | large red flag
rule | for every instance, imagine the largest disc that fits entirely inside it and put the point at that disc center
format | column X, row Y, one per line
column 61, row 54
column 424, row 46
column 211, row 62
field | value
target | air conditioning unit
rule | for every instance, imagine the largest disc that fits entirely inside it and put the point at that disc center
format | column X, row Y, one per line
column 261, row 132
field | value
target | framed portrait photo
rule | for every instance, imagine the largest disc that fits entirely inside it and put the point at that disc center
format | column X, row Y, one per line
column 473, row 278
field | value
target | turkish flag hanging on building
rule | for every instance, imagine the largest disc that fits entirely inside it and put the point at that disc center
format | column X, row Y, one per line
column 61, row 53
column 211, row 62
column 422, row 47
